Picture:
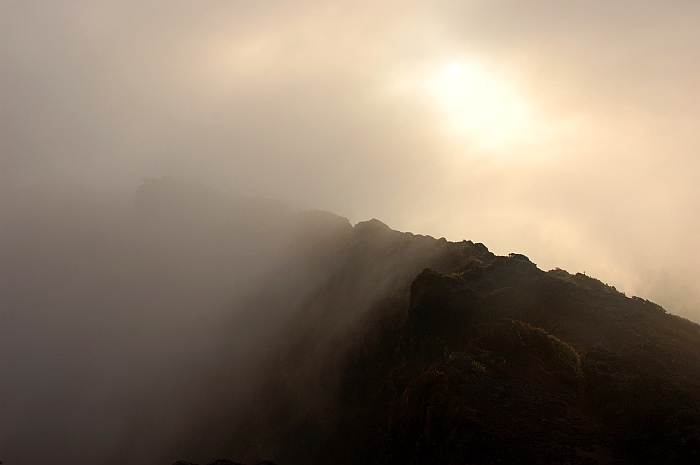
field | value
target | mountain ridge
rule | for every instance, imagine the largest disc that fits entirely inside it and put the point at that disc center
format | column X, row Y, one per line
column 572, row 351
column 244, row 329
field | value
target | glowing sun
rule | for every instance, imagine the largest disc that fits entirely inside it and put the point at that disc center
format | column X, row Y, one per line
column 480, row 105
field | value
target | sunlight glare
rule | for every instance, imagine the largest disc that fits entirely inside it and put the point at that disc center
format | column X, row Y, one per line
column 480, row 106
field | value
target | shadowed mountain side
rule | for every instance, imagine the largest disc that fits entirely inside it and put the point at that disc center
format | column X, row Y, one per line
column 486, row 360
column 313, row 307
column 132, row 324
column 183, row 324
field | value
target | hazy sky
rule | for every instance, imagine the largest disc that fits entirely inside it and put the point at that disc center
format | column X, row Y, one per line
column 567, row 131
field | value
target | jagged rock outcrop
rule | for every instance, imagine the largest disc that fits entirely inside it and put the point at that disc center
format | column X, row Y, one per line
column 478, row 380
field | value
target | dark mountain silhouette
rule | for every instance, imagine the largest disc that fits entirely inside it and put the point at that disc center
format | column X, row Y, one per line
column 182, row 324
column 414, row 350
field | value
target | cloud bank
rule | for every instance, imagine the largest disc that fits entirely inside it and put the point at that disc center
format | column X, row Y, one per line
column 568, row 132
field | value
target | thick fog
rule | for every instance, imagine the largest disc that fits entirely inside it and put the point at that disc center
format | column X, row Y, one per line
column 568, row 132
column 565, row 131
column 148, row 327
column 110, row 305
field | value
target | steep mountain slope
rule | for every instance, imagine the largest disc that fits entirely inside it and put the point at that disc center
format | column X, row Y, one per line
column 504, row 363
column 179, row 323
column 486, row 360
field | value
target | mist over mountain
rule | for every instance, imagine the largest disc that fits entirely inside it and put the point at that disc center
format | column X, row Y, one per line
column 116, row 307
column 106, row 296
column 178, row 323
column 200, row 256
column 569, row 131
